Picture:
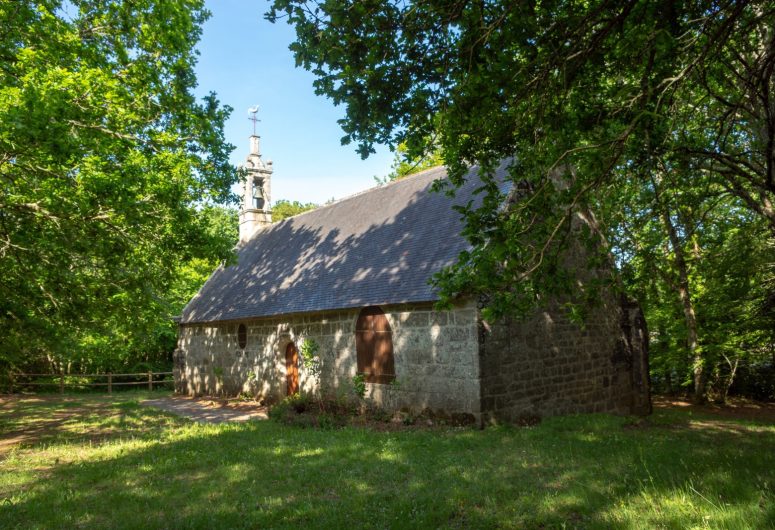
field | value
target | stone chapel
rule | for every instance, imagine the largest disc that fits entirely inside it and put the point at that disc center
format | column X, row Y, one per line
column 353, row 276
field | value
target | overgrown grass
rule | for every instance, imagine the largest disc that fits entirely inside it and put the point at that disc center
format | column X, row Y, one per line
column 108, row 462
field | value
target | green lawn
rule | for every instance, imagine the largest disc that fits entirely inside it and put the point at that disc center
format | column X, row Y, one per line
column 106, row 462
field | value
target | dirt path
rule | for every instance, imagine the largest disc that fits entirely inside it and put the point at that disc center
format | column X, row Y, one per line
column 26, row 419
column 30, row 419
column 206, row 410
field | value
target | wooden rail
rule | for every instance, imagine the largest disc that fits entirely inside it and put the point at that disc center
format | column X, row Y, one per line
column 109, row 383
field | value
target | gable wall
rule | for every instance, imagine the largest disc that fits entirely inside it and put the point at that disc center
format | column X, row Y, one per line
column 548, row 365
column 435, row 353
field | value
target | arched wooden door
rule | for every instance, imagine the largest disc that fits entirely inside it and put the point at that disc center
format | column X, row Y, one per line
column 292, row 368
column 374, row 346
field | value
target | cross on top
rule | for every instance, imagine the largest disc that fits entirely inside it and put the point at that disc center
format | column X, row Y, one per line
column 252, row 111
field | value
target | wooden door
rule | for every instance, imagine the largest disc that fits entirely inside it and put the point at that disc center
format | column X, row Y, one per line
column 292, row 368
column 374, row 346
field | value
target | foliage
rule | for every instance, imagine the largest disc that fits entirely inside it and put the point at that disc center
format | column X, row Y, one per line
column 153, row 333
column 106, row 161
column 283, row 209
column 403, row 166
column 756, row 379
column 572, row 95
column 359, row 385
column 309, row 350
column 219, row 225
column 310, row 359
column 725, row 254
column 127, row 464
column 301, row 410
column 296, row 403
column 311, row 362
column 658, row 109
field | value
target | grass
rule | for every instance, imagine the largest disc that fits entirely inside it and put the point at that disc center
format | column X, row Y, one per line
column 107, row 462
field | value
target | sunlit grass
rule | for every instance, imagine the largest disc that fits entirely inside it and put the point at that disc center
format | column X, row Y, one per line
column 107, row 462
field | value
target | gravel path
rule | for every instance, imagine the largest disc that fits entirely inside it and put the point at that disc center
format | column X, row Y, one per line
column 207, row 410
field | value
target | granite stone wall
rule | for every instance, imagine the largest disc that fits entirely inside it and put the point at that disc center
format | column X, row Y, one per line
column 449, row 362
column 435, row 354
column 548, row 365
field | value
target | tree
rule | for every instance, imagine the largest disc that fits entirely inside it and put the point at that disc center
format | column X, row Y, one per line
column 587, row 102
column 695, row 257
column 404, row 166
column 285, row 208
column 106, row 159
column 586, row 89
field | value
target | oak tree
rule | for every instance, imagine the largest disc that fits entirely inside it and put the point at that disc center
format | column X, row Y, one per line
column 106, row 158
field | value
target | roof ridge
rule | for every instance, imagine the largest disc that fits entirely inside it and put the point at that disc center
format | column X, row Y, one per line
column 367, row 190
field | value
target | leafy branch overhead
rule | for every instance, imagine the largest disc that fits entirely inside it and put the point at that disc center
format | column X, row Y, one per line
column 595, row 91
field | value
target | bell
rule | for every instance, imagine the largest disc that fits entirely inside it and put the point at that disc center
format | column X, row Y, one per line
column 258, row 196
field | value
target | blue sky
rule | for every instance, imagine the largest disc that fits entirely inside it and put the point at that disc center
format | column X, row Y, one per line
column 246, row 61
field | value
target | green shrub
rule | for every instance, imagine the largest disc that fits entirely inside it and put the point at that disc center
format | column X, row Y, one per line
column 379, row 414
column 309, row 350
column 290, row 406
column 359, row 385
column 303, row 411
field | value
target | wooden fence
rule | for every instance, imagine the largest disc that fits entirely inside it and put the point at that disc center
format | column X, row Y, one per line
column 59, row 380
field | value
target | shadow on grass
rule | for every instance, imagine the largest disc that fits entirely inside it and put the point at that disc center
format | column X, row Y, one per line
column 46, row 419
column 586, row 471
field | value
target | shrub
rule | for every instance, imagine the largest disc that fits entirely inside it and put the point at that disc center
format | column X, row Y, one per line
column 359, row 385
column 303, row 411
column 290, row 406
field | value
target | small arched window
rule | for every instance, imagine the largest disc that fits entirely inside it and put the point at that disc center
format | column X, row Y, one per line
column 374, row 346
column 242, row 336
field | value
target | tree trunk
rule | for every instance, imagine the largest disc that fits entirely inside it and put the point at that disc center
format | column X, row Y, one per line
column 682, row 287
column 692, row 342
column 732, row 373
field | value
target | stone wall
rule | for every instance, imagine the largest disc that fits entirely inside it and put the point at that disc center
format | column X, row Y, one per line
column 435, row 354
column 547, row 365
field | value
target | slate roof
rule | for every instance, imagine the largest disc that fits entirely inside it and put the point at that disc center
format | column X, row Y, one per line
column 378, row 247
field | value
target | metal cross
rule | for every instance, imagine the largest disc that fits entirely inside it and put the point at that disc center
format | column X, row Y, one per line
column 252, row 112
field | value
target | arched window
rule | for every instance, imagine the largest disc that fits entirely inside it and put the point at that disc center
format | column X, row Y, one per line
column 374, row 346
column 242, row 336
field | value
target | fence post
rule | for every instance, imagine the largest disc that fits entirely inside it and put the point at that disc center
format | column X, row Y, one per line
column 150, row 380
column 61, row 382
column 110, row 383
column 11, row 381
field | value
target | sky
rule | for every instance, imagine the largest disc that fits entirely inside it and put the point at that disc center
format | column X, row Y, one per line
column 245, row 60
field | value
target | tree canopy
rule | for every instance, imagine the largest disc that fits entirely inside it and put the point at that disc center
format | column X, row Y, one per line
column 656, row 115
column 404, row 166
column 107, row 161
column 284, row 208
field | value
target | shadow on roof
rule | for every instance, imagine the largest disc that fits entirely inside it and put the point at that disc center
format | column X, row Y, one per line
column 378, row 247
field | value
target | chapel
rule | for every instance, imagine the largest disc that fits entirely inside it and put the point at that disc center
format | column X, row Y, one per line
column 353, row 278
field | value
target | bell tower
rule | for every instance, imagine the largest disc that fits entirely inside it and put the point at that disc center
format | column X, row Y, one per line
column 255, row 212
